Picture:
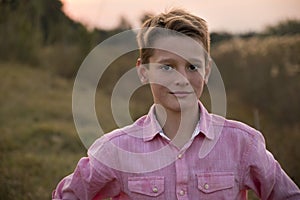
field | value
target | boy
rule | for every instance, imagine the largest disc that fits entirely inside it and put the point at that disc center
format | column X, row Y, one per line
column 178, row 150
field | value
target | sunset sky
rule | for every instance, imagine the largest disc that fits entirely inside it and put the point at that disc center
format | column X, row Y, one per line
column 222, row 15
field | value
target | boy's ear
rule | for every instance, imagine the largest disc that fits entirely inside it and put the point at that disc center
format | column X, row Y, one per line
column 208, row 70
column 142, row 71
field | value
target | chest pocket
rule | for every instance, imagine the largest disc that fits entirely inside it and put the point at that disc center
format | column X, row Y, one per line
column 151, row 186
column 210, row 183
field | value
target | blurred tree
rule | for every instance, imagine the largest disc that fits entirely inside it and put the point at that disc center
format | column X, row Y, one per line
column 288, row 27
column 248, row 35
column 265, row 72
column 27, row 26
column 217, row 37
column 19, row 37
column 124, row 24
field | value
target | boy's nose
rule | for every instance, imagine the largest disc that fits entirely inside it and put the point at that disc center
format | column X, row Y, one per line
column 181, row 78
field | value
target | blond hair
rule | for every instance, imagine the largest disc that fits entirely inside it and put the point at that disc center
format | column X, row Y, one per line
column 176, row 20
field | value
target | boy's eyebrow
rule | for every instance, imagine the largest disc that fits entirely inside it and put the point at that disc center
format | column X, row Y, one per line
column 190, row 60
column 161, row 60
column 195, row 60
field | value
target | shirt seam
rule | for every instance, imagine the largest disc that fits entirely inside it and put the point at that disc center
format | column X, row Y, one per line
column 245, row 158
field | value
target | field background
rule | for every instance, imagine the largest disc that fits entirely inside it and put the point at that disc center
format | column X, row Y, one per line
column 41, row 51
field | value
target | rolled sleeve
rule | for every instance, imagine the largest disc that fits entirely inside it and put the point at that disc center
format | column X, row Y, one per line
column 86, row 182
column 263, row 174
column 82, row 184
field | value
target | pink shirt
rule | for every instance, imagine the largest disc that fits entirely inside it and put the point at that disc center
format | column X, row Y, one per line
column 222, row 160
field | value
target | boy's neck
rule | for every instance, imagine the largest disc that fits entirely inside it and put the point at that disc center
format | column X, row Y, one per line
column 178, row 126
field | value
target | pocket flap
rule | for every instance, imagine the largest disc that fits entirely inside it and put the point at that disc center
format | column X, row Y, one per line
column 150, row 185
column 215, row 181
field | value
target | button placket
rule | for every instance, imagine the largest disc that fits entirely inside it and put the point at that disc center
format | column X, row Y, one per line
column 181, row 176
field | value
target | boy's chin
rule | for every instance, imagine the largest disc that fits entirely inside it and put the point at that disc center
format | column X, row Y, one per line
column 185, row 106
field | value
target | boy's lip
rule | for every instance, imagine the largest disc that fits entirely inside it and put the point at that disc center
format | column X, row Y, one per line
column 181, row 93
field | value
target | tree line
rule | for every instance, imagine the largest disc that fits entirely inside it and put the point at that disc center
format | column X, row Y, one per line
column 26, row 26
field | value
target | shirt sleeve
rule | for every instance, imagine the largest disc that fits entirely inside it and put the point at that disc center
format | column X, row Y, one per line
column 91, row 179
column 263, row 174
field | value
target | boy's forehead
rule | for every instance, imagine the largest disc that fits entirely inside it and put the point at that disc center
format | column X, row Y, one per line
column 167, row 56
column 185, row 47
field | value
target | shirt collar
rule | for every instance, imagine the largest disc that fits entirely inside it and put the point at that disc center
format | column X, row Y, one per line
column 205, row 122
column 151, row 127
column 195, row 133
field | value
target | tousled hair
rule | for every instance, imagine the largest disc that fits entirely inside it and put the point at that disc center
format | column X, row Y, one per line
column 176, row 20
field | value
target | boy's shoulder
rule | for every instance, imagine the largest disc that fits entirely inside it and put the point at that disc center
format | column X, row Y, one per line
column 134, row 130
column 234, row 128
column 241, row 129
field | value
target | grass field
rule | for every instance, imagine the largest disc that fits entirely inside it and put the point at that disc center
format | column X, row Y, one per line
column 38, row 142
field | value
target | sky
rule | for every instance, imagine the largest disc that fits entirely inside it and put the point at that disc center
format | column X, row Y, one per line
column 235, row 16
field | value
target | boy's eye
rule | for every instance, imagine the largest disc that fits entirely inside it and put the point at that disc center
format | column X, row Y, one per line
column 193, row 67
column 166, row 67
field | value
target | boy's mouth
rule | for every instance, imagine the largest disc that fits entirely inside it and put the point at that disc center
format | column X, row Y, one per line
column 181, row 93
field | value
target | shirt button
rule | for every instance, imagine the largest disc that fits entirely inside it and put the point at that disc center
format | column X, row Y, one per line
column 181, row 192
column 206, row 186
column 179, row 156
column 154, row 189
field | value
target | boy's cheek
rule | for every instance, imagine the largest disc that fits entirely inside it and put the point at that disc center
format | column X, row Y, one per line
column 202, row 72
column 161, row 79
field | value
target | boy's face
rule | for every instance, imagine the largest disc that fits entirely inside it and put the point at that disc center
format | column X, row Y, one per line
column 176, row 73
